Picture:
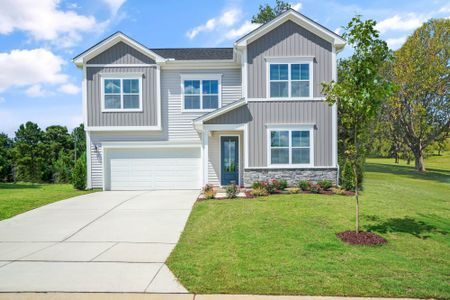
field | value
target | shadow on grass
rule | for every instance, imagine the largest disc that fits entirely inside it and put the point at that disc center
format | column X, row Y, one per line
column 409, row 225
column 430, row 174
column 16, row 186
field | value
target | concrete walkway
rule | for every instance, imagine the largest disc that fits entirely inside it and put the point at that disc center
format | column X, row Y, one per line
column 101, row 242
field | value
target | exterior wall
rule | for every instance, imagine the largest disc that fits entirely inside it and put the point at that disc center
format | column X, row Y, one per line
column 147, row 117
column 121, row 53
column 288, row 39
column 214, row 156
column 292, row 176
column 240, row 115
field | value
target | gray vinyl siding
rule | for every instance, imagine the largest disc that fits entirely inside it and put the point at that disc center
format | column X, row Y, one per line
column 147, row 117
column 239, row 115
column 121, row 53
column 289, row 39
column 290, row 112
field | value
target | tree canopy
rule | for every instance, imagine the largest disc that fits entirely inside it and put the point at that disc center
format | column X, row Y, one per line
column 267, row 13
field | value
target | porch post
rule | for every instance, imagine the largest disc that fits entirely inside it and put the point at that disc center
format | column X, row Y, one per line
column 205, row 134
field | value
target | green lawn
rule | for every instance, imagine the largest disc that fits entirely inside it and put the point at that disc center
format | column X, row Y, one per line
column 286, row 244
column 20, row 197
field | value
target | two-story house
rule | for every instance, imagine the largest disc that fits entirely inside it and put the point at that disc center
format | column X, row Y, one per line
column 181, row 118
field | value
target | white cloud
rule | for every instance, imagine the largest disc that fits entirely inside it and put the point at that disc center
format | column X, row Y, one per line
column 44, row 20
column 69, row 88
column 395, row 43
column 2, row 100
column 401, row 23
column 338, row 30
column 36, row 91
column 240, row 31
column 444, row 9
column 228, row 18
column 297, row 6
column 30, row 67
column 114, row 5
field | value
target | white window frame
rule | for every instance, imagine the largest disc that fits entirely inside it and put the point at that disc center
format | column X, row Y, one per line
column 121, row 77
column 201, row 77
column 290, row 61
column 290, row 128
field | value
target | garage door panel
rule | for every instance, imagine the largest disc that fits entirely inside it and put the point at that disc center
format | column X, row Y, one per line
column 144, row 169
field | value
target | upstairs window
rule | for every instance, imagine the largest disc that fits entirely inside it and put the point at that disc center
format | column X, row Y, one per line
column 200, row 94
column 290, row 80
column 122, row 94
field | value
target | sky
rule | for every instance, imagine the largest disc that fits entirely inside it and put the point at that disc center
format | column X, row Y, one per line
column 38, row 39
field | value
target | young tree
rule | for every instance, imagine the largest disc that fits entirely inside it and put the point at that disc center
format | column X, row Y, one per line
column 421, row 73
column 360, row 90
column 5, row 157
column 267, row 13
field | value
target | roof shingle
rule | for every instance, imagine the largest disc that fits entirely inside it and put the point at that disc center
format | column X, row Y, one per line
column 195, row 53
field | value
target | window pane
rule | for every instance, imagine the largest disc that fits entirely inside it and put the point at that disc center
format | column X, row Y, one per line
column 279, row 138
column 300, row 138
column 192, row 87
column 300, row 156
column 210, row 102
column 130, row 86
column 300, row 89
column 112, row 101
column 279, row 89
column 278, row 72
column 192, row 102
column 295, row 72
column 131, row 101
column 280, row 156
column 210, row 87
column 112, row 86
column 304, row 74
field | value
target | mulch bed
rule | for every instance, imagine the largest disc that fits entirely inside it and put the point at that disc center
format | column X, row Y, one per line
column 361, row 238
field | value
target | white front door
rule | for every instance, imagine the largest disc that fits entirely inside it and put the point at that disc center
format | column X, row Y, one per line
column 153, row 168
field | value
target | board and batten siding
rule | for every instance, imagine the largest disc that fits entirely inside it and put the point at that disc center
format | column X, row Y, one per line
column 121, row 53
column 147, row 117
column 288, row 39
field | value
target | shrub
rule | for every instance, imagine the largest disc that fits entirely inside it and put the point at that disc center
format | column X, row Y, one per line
column 209, row 192
column 258, row 184
column 79, row 173
column 280, row 184
column 270, row 187
column 339, row 191
column 293, row 190
column 232, row 190
column 315, row 189
column 347, row 178
column 259, row 191
column 325, row 184
column 304, row 185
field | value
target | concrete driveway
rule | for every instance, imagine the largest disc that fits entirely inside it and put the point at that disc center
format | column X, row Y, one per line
column 101, row 242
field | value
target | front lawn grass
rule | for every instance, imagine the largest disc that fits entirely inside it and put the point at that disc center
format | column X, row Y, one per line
column 286, row 244
column 16, row 198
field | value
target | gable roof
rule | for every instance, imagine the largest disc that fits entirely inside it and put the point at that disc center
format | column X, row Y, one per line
column 111, row 41
column 220, row 111
column 195, row 53
column 298, row 18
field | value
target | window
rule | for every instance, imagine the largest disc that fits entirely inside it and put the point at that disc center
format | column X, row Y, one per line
column 290, row 147
column 122, row 94
column 290, row 80
column 201, row 94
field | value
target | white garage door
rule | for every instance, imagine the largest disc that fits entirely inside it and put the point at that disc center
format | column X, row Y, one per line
column 153, row 168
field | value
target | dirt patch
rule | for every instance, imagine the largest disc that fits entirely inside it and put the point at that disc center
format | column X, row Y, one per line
column 361, row 238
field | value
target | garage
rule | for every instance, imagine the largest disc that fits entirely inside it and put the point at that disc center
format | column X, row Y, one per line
column 152, row 168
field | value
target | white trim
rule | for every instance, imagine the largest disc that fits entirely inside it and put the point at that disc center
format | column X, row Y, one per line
column 111, row 41
column 132, row 145
column 334, row 116
column 246, row 146
column 123, row 128
column 158, row 97
column 217, row 127
column 291, row 167
column 201, row 77
column 290, row 128
column 84, row 97
column 120, row 77
column 119, row 65
column 290, row 62
column 297, row 18
column 88, row 160
column 284, row 99
column 239, row 156
column 244, row 73
column 205, row 155
column 104, row 171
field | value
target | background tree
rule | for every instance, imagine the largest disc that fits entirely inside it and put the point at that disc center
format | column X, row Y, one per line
column 57, row 141
column 267, row 13
column 421, row 72
column 359, row 91
column 79, row 140
column 5, row 158
column 29, row 152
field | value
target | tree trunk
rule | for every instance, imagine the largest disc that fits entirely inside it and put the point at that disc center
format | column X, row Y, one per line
column 420, row 166
column 356, row 198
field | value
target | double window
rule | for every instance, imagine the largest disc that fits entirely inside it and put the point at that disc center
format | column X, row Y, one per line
column 201, row 94
column 122, row 94
column 290, row 147
column 290, row 80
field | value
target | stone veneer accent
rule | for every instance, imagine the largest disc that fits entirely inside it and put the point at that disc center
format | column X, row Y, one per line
column 293, row 176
